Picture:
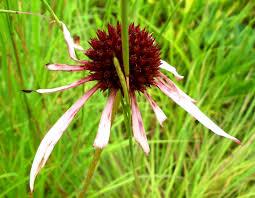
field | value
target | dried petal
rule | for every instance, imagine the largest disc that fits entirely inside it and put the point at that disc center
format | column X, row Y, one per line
column 170, row 68
column 54, row 134
column 138, row 128
column 65, row 67
column 193, row 110
column 104, row 128
column 158, row 112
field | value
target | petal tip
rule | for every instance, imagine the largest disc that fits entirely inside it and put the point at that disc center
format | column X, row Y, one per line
column 147, row 152
column 179, row 77
column 193, row 101
column 237, row 141
column 27, row 90
column 31, row 185
column 162, row 122
column 99, row 145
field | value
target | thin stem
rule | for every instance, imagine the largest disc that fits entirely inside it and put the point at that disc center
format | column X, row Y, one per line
column 91, row 171
column 125, row 81
column 122, row 80
column 127, row 124
column 127, row 121
column 93, row 165
column 127, row 114
column 124, row 36
column 19, row 12
column 52, row 12
column 17, row 58
column 169, row 19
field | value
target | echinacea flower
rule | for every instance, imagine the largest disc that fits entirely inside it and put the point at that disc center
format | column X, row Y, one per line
column 145, row 64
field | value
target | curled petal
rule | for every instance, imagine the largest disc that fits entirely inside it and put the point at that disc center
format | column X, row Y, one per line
column 193, row 110
column 70, row 43
column 171, row 84
column 104, row 128
column 62, row 88
column 138, row 128
column 54, row 134
column 65, row 67
column 158, row 112
column 170, row 68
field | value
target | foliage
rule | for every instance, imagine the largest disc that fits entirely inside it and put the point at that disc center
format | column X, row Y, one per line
column 211, row 43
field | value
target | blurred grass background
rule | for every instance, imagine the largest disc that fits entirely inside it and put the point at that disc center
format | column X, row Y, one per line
column 211, row 43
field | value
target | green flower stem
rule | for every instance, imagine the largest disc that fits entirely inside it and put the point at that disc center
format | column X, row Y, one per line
column 52, row 12
column 127, row 121
column 94, row 163
column 124, row 36
column 126, row 105
column 92, row 169
column 122, row 80
column 127, row 118
column 127, row 124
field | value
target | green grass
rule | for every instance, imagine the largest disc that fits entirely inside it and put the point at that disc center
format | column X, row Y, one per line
column 211, row 43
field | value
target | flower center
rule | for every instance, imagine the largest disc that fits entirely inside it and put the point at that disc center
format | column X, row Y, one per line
column 144, row 58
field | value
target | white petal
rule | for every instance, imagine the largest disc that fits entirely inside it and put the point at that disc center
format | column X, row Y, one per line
column 65, row 67
column 65, row 87
column 158, row 112
column 54, row 134
column 103, row 133
column 69, row 42
column 138, row 128
column 170, row 68
column 170, row 83
column 193, row 110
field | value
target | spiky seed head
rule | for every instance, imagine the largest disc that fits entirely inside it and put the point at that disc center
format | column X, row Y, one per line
column 144, row 58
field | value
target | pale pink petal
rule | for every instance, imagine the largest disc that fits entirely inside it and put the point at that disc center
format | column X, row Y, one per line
column 138, row 128
column 170, row 83
column 69, row 42
column 62, row 88
column 51, row 138
column 193, row 110
column 158, row 112
column 65, row 67
column 103, row 133
column 170, row 68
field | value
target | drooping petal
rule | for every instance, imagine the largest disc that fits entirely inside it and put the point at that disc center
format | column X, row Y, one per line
column 158, row 112
column 193, row 110
column 51, row 138
column 170, row 68
column 65, row 67
column 69, row 41
column 62, row 88
column 170, row 83
column 138, row 128
column 104, row 128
